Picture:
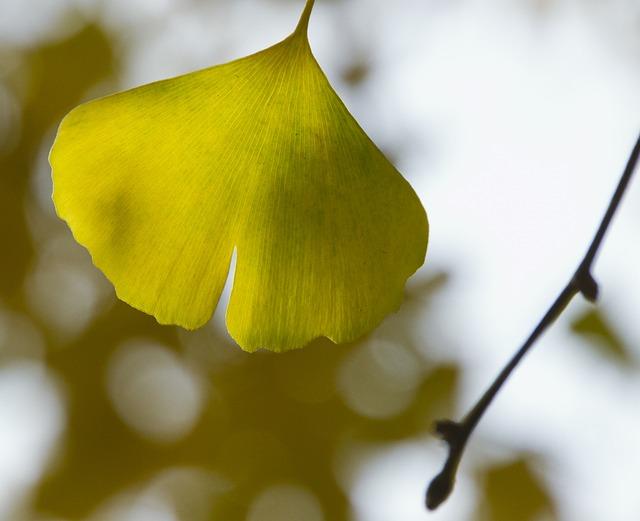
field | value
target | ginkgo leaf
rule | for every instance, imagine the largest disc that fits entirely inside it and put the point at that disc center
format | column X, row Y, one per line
column 161, row 183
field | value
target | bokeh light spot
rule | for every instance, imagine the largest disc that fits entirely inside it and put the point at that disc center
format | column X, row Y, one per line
column 31, row 420
column 153, row 391
column 63, row 289
column 379, row 378
column 191, row 491
column 281, row 502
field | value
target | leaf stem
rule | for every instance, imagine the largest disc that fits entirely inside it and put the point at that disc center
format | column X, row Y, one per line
column 456, row 434
column 303, row 23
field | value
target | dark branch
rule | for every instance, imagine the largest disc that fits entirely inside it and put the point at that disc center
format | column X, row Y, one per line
column 456, row 434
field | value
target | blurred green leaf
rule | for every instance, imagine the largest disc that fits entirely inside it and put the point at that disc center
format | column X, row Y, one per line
column 356, row 72
column 593, row 326
column 513, row 492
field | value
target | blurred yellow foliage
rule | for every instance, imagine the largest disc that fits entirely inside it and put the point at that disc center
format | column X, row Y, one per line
column 184, row 420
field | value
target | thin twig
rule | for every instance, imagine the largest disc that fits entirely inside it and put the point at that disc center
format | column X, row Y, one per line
column 456, row 434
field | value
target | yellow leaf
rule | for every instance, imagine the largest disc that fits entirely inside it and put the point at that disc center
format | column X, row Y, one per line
column 162, row 182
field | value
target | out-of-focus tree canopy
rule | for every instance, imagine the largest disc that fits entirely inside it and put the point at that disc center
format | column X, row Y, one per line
column 106, row 415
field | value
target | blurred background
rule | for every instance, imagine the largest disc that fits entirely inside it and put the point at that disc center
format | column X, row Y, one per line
column 513, row 120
